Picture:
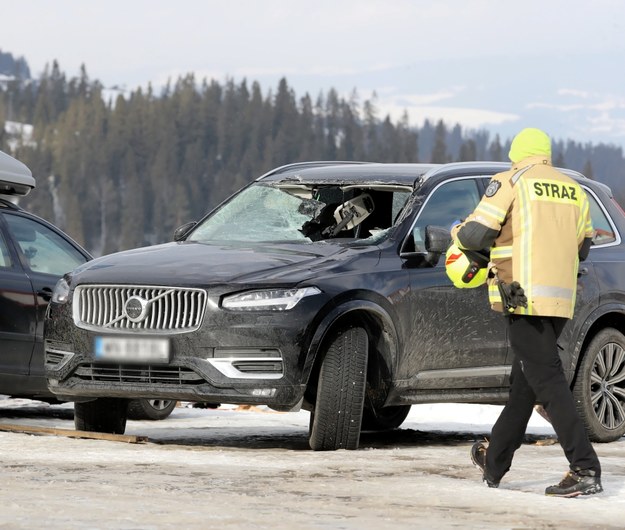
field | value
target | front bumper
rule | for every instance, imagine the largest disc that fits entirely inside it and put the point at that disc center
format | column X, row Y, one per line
column 234, row 357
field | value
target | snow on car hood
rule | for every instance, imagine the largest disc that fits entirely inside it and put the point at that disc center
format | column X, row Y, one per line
column 196, row 264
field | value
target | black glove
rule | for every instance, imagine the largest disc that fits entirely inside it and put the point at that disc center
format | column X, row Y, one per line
column 512, row 296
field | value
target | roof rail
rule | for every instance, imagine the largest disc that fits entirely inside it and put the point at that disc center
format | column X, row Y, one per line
column 310, row 164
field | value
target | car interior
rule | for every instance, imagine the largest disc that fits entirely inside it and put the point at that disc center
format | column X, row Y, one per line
column 355, row 212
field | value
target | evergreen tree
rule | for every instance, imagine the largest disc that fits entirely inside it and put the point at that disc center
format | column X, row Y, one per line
column 132, row 227
column 496, row 151
column 439, row 152
column 468, row 151
column 51, row 95
column 286, row 131
column 587, row 171
column 371, row 122
column 351, row 146
column 454, row 142
column 427, row 135
column 333, row 132
column 310, row 144
column 408, row 140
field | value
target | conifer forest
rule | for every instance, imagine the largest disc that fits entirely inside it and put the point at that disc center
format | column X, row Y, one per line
column 121, row 169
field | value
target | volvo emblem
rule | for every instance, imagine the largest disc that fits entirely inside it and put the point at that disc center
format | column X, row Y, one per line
column 136, row 309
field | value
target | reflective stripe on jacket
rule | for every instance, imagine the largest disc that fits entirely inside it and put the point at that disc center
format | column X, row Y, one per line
column 542, row 217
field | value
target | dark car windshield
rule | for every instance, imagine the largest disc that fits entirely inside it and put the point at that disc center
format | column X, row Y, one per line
column 304, row 214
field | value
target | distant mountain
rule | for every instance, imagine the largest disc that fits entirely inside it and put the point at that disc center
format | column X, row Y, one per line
column 579, row 97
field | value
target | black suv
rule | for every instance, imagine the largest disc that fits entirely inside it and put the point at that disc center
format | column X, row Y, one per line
column 320, row 286
column 34, row 254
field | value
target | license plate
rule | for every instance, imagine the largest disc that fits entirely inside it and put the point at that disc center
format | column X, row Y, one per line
column 132, row 350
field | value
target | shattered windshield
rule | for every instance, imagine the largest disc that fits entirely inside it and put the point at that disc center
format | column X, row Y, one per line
column 273, row 213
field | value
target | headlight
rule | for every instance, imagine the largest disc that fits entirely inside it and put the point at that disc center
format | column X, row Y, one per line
column 268, row 300
column 60, row 295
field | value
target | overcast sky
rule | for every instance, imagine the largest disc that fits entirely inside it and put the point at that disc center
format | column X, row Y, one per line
column 434, row 58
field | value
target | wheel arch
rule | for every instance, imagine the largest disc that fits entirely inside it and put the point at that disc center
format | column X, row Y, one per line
column 383, row 344
column 606, row 316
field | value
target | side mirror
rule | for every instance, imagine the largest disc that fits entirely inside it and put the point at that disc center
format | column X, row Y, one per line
column 436, row 241
column 183, row 231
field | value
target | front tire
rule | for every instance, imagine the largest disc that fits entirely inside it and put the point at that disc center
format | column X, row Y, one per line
column 384, row 419
column 599, row 388
column 337, row 417
column 106, row 415
column 150, row 409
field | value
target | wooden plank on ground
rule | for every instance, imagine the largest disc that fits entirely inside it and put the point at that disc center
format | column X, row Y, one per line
column 33, row 429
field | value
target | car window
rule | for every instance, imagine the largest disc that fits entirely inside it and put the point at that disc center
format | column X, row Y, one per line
column 452, row 201
column 604, row 232
column 398, row 203
column 258, row 213
column 303, row 214
column 45, row 250
column 5, row 256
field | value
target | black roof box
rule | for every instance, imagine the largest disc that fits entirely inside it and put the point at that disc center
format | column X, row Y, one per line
column 15, row 177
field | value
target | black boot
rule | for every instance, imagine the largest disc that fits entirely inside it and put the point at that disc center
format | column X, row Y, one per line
column 574, row 483
column 478, row 457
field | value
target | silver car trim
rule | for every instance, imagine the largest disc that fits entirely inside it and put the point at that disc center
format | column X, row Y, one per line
column 168, row 310
column 226, row 366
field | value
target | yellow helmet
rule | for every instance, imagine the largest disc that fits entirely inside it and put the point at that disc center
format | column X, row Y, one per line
column 465, row 273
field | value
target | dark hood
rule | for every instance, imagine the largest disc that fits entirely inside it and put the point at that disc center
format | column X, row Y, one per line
column 196, row 264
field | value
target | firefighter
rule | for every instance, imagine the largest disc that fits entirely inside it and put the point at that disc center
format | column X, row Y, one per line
column 536, row 222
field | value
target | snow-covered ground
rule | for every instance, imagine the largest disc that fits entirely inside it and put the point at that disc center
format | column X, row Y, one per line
column 241, row 469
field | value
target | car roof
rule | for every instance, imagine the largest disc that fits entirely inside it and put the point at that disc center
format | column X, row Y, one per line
column 342, row 172
column 348, row 172
column 15, row 177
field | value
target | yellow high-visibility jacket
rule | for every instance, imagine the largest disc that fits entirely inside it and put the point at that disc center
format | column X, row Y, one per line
column 541, row 218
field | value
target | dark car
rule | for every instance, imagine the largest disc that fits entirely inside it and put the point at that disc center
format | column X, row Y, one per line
column 34, row 254
column 320, row 286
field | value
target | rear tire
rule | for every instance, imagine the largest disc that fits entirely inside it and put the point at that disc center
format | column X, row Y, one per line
column 599, row 388
column 337, row 417
column 150, row 409
column 384, row 419
column 106, row 415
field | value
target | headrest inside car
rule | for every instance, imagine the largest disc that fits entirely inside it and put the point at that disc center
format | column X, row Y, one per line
column 356, row 209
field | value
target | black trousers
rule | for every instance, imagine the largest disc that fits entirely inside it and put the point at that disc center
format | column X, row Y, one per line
column 537, row 375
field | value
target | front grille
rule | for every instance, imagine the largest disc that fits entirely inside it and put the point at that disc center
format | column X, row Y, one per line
column 161, row 375
column 138, row 308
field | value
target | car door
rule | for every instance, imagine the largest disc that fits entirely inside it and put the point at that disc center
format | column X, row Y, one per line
column 17, row 310
column 456, row 340
column 45, row 255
